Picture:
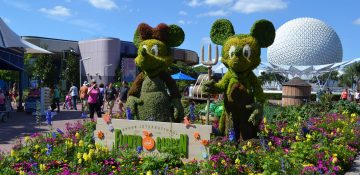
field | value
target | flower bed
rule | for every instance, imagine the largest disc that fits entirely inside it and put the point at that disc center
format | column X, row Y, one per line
column 288, row 144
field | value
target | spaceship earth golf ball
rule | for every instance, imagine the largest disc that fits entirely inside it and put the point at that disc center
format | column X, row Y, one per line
column 305, row 42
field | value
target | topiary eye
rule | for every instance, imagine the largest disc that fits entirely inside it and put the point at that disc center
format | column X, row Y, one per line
column 155, row 50
column 232, row 51
column 144, row 47
column 247, row 51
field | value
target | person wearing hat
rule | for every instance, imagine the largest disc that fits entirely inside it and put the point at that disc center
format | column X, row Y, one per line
column 84, row 98
column 94, row 93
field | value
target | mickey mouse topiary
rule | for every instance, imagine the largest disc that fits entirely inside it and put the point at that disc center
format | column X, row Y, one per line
column 244, row 97
column 148, row 98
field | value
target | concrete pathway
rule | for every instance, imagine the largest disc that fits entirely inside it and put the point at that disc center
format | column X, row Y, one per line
column 21, row 124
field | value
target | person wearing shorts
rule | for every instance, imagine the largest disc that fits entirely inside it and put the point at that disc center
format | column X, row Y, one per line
column 123, row 95
column 84, row 98
column 110, row 96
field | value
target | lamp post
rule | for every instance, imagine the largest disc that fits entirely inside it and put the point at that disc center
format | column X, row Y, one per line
column 81, row 60
column 105, row 69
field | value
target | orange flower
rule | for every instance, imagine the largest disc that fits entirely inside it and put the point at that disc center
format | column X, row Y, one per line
column 205, row 142
column 197, row 135
column 107, row 118
column 100, row 135
column 147, row 133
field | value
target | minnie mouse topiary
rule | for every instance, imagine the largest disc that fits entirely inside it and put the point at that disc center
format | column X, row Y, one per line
column 148, row 98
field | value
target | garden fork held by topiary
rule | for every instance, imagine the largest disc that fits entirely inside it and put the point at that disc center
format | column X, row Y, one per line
column 209, row 63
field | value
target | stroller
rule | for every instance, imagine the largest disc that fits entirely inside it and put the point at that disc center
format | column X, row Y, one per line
column 67, row 104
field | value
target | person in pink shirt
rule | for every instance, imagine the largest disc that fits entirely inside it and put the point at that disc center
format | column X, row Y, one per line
column 93, row 99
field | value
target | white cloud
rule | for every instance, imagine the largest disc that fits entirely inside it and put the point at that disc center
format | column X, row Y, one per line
column 251, row 6
column 181, row 22
column 218, row 2
column 194, row 3
column 57, row 11
column 357, row 21
column 103, row 4
column 183, row 13
column 214, row 13
column 6, row 20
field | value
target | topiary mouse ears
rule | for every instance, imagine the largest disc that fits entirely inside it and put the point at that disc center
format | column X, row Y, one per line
column 171, row 35
column 262, row 30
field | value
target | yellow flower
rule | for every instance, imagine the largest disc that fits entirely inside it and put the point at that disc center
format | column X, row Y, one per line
column 265, row 121
column 80, row 161
column 113, row 167
column 42, row 167
column 219, row 144
column 249, row 144
column 77, row 135
column 85, row 157
column 266, row 130
column 22, row 172
column 214, row 173
column 149, row 172
column 12, row 153
column 337, row 129
column 37, row 146
column 81, row 143
column 237, row 161
column 27, row 139
column 79, row 155
column 90, row 146
column 244, row 147
column 334, row 160
column 269, row 143
column 306, row 165
column 223, row 162
column 353, row 115
column 334, row 155
column 297, row 138
column 282, row 129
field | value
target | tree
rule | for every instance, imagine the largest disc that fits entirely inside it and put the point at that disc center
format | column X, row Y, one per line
column 71, row 70
column 351, row 76
column 44, row 69
column 9, row 75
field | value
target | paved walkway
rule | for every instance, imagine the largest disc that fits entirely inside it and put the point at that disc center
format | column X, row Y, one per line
column 21, row 124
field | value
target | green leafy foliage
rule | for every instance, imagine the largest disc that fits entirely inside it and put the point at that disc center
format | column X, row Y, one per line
column 264, row 32
column 221, row 30
column 176, row 36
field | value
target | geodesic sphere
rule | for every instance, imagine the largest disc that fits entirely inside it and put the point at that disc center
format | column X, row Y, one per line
column 305, row 42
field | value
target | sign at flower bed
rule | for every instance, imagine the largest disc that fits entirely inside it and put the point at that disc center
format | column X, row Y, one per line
column 153, row 137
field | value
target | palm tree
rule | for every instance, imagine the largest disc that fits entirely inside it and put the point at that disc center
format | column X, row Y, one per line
column 351, row 76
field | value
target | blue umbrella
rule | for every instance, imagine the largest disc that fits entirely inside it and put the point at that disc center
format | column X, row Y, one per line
column 181, row 76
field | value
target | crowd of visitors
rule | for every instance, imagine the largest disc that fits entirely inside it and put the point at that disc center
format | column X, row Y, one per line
column 93, row 98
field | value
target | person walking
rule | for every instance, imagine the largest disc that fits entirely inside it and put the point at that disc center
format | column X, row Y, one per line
column 84, row 98
column 93, row 96
column 14, row 94
column 56, row 97
column 123, row 95
column 110, row 96
column 357, row 96
column 344, row 94
column 101, row 97
column 74, row 94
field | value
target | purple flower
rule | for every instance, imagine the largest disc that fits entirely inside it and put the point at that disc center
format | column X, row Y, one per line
column 59, row 131
column 139, row 149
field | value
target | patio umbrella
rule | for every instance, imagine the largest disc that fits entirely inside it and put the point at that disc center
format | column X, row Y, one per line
column 181, row 76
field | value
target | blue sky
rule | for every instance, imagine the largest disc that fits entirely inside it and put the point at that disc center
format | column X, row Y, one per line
column 89, row 19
